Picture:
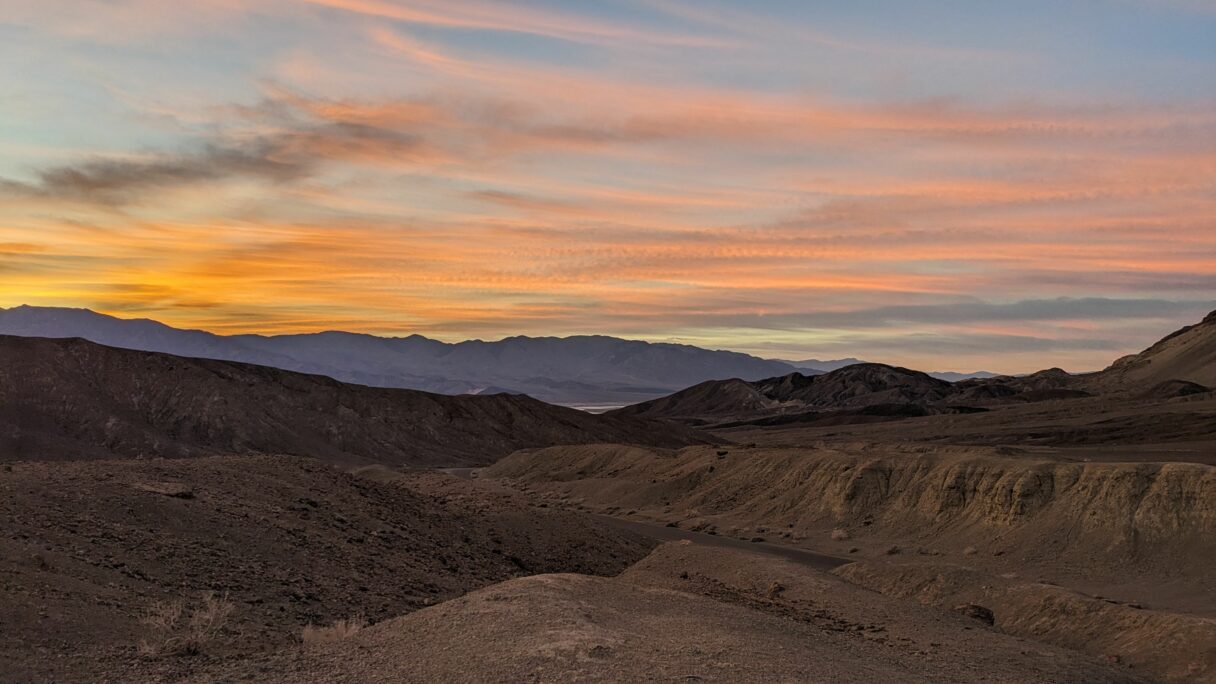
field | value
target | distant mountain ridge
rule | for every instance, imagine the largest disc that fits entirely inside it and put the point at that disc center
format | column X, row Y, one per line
column 67, row 399
column 824, row 365
column 817, row 367
column 570, row 370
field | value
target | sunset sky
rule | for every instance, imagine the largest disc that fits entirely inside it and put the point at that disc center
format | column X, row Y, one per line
column 944, row 185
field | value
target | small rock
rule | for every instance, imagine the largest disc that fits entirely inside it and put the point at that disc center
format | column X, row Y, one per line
column 840, row 535
column 970, row 551
column 176, row 490
column 893, row 551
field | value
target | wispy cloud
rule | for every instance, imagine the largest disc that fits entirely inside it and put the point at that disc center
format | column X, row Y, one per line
column 676, row 171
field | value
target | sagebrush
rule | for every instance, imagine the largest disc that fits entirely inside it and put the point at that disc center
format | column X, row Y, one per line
column 174, row 629
column 337, row 631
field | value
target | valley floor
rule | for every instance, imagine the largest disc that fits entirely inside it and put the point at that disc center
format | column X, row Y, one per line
column 840, row 561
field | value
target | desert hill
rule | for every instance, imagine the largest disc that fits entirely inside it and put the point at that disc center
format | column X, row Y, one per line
column 584, row 369
column 1181, row 364
column 69, row 399
column 855, row 386
column 89, row 547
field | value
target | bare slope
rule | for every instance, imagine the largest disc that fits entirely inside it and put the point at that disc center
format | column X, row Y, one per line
column 1188, row 354
column 88, row 546
column 64, row 399
column 1169, row 646
column 684, row 613
column 1102, row 428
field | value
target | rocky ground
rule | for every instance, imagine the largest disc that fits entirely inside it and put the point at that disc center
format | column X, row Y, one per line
column 687, row 612
column 89, row 548
column 1112, row 559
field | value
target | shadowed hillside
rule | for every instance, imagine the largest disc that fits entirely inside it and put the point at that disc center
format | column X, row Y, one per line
column 69, row 399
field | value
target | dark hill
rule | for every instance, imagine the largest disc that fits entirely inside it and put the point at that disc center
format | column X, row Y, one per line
column 69, row 398
column 851, row 387
column 855, row 386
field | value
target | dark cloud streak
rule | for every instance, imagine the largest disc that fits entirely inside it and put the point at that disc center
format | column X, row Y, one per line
column 293, row 152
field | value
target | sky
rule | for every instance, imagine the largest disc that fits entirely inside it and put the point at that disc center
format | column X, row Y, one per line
column 943, row 185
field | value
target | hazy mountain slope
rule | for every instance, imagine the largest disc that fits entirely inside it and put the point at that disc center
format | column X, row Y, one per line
column 581, row 369
column 65, row 399
column 823, row 366
column 1187, row 354
column 954, row 376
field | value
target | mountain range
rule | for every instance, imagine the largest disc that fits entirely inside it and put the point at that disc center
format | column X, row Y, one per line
column 579, row 370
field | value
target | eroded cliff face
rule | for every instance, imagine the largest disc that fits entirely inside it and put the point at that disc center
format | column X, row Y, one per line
column 1109, row 559
column 1160, row 514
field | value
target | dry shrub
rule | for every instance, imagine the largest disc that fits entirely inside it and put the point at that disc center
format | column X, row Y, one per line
column 339, row 630
column 840, row 535
column 174, row 630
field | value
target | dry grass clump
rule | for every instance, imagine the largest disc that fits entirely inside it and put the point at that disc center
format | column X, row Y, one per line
column 174, row 630
column 840, row 535
column 339, row 630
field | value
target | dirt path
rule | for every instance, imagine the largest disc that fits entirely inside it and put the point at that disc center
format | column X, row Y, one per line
column 819, row 561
